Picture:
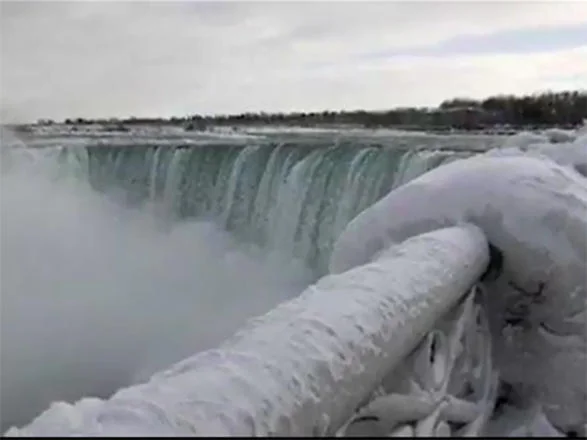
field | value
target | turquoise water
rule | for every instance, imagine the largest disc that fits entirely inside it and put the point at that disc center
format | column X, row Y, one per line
column 291, row 197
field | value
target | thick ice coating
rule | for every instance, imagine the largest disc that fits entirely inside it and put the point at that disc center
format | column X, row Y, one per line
column 304, row 367
column 535, row 212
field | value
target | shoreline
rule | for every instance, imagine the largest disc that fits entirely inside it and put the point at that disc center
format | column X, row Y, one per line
column 122, row 129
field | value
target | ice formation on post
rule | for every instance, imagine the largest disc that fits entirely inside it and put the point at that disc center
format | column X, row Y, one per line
column 447, row 381
column 304, row 367
column 534, row 212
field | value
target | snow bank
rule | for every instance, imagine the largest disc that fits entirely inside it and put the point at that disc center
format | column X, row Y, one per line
column 523, row 139
column 556, row 135
column 550, row 135
column 303, row 368
column 571, row 152
column 535, row 212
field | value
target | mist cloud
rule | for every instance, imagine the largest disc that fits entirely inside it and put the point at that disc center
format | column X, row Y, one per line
column 95, row 296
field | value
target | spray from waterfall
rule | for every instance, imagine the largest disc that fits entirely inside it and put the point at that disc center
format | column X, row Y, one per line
column 96, row 296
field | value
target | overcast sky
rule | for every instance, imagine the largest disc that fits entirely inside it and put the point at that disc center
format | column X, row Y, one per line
column 94, row 59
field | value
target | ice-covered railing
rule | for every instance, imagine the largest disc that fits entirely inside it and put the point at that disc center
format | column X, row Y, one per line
column 410, row 335
column 531, row 203
column 304, row 367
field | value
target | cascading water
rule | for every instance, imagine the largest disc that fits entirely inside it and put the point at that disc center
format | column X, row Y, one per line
column 287, row 197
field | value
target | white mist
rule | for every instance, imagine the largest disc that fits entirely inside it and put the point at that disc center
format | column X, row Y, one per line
column 95, row 296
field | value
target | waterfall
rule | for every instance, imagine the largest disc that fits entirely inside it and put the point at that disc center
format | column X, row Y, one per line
column 288, row 196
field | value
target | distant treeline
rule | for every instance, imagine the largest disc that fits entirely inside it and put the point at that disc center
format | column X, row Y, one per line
column 562, row 109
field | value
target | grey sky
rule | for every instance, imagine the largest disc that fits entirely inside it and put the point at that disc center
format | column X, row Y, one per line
column 92, row 59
